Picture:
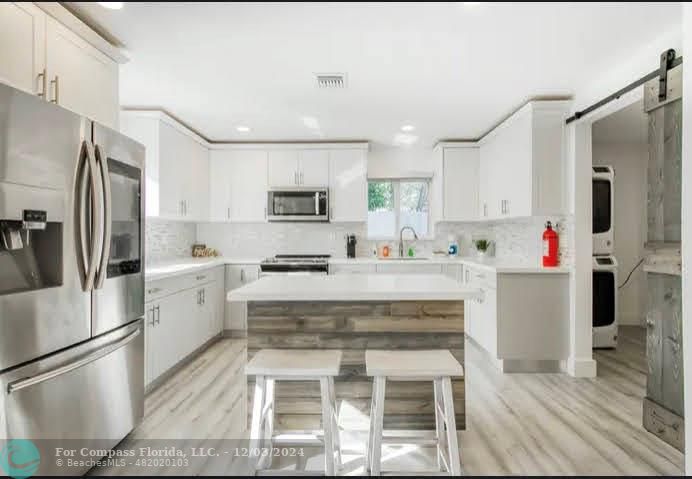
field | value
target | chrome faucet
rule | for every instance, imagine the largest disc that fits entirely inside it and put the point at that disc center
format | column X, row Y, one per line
column 401, row 239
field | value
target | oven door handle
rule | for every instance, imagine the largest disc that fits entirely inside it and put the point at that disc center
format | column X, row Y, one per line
column 107, row 219
column 20, row 384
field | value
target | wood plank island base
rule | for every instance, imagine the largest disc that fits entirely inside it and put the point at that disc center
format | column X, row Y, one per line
column 412, row 313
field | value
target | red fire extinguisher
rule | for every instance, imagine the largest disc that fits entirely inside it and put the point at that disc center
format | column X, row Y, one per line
column 551, row 241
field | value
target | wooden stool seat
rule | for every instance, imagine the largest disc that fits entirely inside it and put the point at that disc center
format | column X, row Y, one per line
column 438, row 366
column 271, row 365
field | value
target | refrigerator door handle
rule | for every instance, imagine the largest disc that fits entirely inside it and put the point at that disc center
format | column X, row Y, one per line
column 106, row 229
column 59, row 371
column 88, row 245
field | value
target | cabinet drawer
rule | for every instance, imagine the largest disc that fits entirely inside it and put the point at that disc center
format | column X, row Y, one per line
column 480, row 277
column 352, row 268
column 164, row 287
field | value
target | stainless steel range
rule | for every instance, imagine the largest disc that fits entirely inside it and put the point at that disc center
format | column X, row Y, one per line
column 289, row 264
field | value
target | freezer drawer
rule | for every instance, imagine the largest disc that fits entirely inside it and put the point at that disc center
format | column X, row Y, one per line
column 90, row 396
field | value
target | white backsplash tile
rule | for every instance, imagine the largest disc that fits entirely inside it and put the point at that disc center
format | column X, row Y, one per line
column 268, row 239
column 168, row 239
column 516, row 239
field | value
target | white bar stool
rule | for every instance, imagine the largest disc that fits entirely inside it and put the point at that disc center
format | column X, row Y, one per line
column 437, row 366
column 270, row 365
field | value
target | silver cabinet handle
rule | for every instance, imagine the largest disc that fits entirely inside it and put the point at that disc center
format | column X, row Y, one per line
column 228, row 213
column 153, row 290
column 153, row 321
column 331, row 212
column 56, row 88
column 42, row 80
column 158, row 314
column 301, row 178
column 242, row 275
column 265, row 212
column 204, row 296
column 107, row 220
column 59, row 371
column 201, row 277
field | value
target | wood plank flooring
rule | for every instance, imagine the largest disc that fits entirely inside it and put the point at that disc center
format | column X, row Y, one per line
column 525, row 424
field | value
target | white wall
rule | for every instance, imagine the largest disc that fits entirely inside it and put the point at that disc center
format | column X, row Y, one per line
column 630, row 164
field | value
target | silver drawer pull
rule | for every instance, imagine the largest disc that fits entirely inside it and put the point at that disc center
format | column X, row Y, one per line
column 153, row 290
column 59, row 371
column 200, row 278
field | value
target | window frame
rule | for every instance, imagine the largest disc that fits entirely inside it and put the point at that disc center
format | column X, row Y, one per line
column 396, row 187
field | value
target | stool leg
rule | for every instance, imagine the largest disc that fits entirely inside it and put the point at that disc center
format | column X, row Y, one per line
column 256, row 426
column 376, row 456
column 439, row 422
column 335, row 422
column 371, row 429
column 453, row 445
column 266, row 461
column 327, row 422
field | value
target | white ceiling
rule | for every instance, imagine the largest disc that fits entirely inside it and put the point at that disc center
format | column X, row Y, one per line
column 451, row 70
column 629, row 125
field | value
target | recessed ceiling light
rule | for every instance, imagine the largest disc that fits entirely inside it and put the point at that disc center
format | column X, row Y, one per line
column 408, row 128
column 242, row 128
column 111, row 5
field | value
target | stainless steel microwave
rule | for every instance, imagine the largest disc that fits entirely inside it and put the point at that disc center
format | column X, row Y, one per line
column 298, row 204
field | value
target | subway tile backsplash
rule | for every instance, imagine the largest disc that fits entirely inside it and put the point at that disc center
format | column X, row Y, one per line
column 517, row 239
column 168, row 239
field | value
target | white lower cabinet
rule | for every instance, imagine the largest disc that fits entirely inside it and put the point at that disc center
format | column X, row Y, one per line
column 368, row 268
column 238, row 275
column 182, row 313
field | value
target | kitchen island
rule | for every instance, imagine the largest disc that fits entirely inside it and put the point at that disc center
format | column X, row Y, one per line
column 354, row 313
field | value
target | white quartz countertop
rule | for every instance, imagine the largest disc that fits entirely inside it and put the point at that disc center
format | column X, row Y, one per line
column 491, row 264
column 178, row 266
column 365, row 287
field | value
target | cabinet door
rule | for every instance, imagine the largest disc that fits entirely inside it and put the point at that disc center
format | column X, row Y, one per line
column 151, row 344
column 461, row 177
column 314, row 168
column 220, row 173
column 282, row 168
column 237, row 276
column 516, row 167
column 172, row 172
column 81, row 78
column 197, row 208
column 453, row 271
column 248, row 193
column 22, row 46
column 348, row 185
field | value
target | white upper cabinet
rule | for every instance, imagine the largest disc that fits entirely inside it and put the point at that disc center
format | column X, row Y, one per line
column 298, row 167
column 22, row 46
column 283, row 168
column 42, row 56
column 177, row 166
column 521, row 163
column 80, row 78
column 314, row 168
column 348, row 185
column 238, row 185
column 460, row 181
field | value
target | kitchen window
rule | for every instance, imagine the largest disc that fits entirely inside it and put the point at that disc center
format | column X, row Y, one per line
column 393, row 204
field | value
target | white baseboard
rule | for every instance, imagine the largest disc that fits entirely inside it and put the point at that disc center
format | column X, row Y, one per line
column 581, row 367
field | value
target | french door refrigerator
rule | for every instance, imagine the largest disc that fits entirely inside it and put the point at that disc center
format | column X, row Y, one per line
column 71, row 278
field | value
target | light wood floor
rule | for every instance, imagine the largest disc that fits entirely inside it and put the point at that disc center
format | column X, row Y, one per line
column 526, row 424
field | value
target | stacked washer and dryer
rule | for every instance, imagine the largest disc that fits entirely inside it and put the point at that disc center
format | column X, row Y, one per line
column 605, row 266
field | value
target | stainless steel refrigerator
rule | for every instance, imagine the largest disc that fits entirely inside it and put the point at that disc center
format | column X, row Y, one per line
column 71, row 277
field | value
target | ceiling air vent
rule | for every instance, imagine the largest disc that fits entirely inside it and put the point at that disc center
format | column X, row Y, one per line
column 331, row 80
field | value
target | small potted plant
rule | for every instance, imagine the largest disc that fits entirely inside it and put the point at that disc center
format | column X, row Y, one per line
column 482, row 246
